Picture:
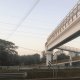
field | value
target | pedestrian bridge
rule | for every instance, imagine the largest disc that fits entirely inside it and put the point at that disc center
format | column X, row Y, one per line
column 67, row 30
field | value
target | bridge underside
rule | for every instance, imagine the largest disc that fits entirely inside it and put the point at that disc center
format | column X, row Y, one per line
column 71, row 37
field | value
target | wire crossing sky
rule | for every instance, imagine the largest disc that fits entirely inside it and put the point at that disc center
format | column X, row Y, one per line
column 23, row 19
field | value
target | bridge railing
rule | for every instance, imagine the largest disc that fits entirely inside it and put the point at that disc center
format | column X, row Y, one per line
column 65, row 24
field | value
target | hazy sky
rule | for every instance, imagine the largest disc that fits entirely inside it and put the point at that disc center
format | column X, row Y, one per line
column 33, row 32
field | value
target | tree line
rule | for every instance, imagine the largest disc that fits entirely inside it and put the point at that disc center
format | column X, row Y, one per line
column 9, row 56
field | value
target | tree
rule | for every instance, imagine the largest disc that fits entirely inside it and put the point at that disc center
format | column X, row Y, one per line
column 43, row 59
column 30, row 59
column 7, row 52
column 36, row 58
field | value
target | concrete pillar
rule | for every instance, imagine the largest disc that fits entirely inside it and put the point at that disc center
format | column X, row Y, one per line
column 70, row 61
column 70, row 54
column 48, row 57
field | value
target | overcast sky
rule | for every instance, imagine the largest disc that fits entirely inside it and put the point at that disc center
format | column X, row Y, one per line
column 32, row 33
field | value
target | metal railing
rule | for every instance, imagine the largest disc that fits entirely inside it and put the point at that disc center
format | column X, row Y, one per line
column 65, row 24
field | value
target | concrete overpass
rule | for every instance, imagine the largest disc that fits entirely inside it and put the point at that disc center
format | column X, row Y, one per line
column 67, row 30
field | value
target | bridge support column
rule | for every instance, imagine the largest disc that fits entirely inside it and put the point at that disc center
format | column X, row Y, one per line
column 49, row 55
column 70, row 58
column 70, row 61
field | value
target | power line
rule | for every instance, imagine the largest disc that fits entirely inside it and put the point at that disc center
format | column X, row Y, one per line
column 36, row 34
column 23, row 19
column 24, row 25
column 7, row 23
column 28, row 35
column 30, row 49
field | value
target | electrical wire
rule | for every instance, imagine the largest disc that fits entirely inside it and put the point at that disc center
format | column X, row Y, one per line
column 23, row 19
column 30, row 49
column 24, row 26
column 6, row 23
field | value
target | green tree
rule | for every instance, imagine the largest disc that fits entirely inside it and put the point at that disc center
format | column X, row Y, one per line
column 30, row 59
column 7, row 52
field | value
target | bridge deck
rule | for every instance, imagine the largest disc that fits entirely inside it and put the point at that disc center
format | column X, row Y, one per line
column 67, row 30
